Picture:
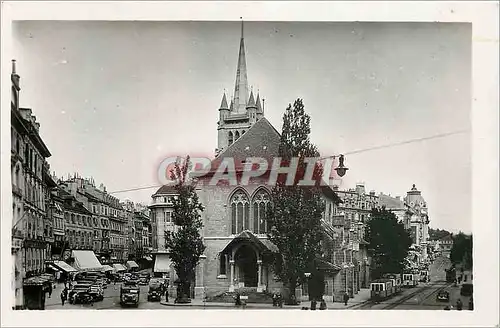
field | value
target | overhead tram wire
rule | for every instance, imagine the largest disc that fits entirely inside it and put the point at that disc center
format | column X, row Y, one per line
column 442, row 135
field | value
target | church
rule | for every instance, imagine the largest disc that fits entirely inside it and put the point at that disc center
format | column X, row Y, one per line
column 238, row 255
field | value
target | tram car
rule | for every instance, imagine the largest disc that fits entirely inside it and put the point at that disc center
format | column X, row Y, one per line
column 381, row 289
column 410, row 279
column 396, row 281
column 424, row 275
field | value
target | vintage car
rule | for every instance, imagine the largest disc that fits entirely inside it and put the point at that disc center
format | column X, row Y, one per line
column 78, row 288
column 443, row 296
column 129, row 295
column 155, row 291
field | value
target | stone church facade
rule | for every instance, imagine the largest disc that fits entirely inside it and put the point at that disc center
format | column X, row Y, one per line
column 238, row 255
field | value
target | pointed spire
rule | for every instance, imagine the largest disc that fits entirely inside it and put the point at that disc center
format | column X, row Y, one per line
column 241, row 86
column 251, row 101
column 223, row 104
column 231, row 106
column 259, row 107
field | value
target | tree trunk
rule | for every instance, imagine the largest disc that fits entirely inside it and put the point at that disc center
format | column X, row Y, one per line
column 290, row 299
column 183, row 293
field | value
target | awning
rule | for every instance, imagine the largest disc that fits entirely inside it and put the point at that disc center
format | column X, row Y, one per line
column 117, row 267
column 62, row 266
column 106, row 268
column 264, row 245
column 162, row 263
column 132, row 264
column 86, row 261
column 326, row 266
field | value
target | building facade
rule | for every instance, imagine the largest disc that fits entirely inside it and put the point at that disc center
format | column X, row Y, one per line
column 108, row 219
column 350, row 250
column 31, row 226
column 161, row 216
column 418, row 218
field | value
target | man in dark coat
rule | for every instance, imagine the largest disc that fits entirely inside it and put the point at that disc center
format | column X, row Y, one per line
column 346, row 298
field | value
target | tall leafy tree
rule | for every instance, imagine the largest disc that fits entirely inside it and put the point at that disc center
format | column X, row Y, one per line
column 461, row 251
column 185, row 243
column 388, row 243
column 295, row 217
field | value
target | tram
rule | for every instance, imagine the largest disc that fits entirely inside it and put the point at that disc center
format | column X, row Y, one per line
column 381, row 289
column 410, row 279
column 396, row 281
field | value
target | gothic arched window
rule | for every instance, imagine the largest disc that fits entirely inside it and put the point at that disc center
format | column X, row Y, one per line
column 260, row 204
column 236, row 135
column 240, row 212
column 230, row 138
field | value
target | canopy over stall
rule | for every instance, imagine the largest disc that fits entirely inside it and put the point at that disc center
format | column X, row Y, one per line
column 86, row 261
column 106, row 268
column 117, row 267
column 132, row 265
column 162, row 263
column 62, row 266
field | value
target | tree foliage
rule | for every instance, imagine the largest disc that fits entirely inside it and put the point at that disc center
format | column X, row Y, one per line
column 388, row 243
column 295, row 217
column 436, row 234
column 461, row 251
column 185, row 243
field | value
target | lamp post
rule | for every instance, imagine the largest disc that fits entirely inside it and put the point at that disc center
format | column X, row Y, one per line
column 313, row 300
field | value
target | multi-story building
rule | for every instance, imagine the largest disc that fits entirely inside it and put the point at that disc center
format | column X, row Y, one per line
column 109, row 221
column 56, row 212
column 418, row 222
column 31, row 233
column 350, row 249
column 161, row 216
column 79, row 223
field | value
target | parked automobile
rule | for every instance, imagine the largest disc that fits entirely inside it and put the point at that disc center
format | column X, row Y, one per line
column 155, row 291
column 443, row 296
column 129, row 295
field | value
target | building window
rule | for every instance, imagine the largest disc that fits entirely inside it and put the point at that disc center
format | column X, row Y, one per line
column 239, row 212
column 236, row 135
column 261, row 203
column 230, row 138
column 222, row 263
column 168, row 217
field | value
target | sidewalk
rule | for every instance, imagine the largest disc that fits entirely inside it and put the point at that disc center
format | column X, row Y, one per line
column 360, row 298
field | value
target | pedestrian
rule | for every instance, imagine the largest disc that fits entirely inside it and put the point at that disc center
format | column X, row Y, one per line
column 346, row 298
column 459, row 305
column 166, row 294
column 50, row 289
column 63, row 296
column 465, row 278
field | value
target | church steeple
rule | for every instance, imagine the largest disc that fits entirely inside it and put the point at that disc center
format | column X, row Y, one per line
column 241, row 87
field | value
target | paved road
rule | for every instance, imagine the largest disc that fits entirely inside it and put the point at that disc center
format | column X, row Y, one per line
column 111, row 300
column 427, row 299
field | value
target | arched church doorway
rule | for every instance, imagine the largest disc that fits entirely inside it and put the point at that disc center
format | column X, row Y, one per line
column 246, row 263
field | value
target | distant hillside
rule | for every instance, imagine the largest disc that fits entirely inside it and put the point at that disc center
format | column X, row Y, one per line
column 435, row 234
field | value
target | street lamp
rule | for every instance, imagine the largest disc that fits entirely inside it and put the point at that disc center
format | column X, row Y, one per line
column 341, row 169
column 313, row 301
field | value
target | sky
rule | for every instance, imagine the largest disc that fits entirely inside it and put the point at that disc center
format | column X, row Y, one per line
column 116, row 98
